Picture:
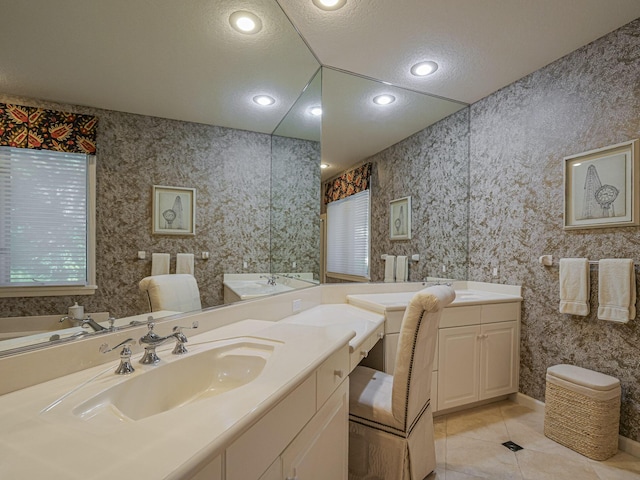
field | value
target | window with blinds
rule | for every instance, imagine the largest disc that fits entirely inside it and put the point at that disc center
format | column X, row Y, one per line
column 348, row 237
column 45, row 218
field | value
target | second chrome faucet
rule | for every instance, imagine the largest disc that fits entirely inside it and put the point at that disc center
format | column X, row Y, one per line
column 152, row 340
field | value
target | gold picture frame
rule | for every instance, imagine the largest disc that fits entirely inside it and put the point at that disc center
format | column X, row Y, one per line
column 174, row 211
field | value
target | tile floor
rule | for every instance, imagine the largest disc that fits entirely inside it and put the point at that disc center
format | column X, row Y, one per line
column 469, row 446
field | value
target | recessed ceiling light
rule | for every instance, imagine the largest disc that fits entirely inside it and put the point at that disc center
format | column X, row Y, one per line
column 384, row 99
column 245, row 22
column 329, row 4
column 315, row 111
column 324, row 165
column 423, row 69
column 264, row 100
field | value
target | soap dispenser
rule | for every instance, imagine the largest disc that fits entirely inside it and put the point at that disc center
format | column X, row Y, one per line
column 76, row 311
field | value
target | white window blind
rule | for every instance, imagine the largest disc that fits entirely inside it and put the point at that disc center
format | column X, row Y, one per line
column 44, row 218
column 348, row 236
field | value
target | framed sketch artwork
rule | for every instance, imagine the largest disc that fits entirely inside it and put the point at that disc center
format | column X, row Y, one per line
column 600, row 187
column 174, row 210
column 400, row 219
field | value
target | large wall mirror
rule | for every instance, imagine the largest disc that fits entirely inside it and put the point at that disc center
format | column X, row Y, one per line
column 259, row 182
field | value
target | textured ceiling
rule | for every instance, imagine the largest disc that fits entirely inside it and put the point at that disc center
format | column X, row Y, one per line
column 181, row 59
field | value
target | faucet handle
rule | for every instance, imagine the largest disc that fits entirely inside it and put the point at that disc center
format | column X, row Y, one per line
column 125, row 366
column 181, row 338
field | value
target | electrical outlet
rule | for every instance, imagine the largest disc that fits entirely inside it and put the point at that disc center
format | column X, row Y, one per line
column 245, row 265
column 296, row 306
column 444, row 269
column 295, row 264
column 494, row 273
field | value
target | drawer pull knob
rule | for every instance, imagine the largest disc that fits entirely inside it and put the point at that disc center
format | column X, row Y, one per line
column 364, row 353
column 338, row 373
column 381, row 335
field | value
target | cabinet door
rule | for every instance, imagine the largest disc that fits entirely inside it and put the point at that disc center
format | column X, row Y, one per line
column 320, row 451
column 458, row 369
column 499, row 359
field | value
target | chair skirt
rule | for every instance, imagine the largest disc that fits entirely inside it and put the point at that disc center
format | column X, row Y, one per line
column 376, row 454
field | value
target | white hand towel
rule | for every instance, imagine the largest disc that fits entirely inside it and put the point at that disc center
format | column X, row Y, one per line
column 184, row 263
column 160, row 263
column 574, row 286
column 389, row 268
column 616, row 290
column 402, row 268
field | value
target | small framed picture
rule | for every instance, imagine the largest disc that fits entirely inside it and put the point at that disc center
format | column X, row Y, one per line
column 600, row 187
column 174, row 211
column 400, row 219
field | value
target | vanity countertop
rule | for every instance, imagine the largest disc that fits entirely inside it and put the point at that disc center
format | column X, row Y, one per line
column 339, row 317
column 41, row 437
column 388, row 302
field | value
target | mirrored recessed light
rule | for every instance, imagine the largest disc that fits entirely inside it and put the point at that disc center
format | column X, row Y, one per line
column 329, row 4
column 384, row 99
column 315, row 111
column 264, row 100
column 245, row 22
column 423, row 69
column 324, row 165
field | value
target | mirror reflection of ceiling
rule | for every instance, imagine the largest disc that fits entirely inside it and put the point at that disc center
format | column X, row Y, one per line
column 181, row 60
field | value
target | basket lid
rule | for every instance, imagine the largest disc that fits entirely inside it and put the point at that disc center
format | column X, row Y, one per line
column 583, row 376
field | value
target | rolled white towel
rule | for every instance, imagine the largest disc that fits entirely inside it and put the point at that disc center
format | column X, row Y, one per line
column 390, row 269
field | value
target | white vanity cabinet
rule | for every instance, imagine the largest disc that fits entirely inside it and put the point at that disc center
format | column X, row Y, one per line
column 305, row 436
column 320, row 451
column 478, row 353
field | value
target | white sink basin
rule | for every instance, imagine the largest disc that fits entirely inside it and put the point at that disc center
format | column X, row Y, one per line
column 170, row 385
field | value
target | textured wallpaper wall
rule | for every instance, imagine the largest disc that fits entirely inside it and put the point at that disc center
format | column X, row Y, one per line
column 432, row 167
column 519, row 136
column 230, row 170
column 295, row 206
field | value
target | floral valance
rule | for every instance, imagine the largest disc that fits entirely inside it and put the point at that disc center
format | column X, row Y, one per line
column 31, row 127
column 349, row 183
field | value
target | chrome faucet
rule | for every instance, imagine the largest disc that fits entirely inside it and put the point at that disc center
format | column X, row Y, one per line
column 271, row 279
column 181, row 339
column 152, row 340
column 89, row 321
column 125, row 366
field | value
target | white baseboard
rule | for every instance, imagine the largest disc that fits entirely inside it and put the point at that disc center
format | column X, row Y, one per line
column 624, row 444
column 527, row 401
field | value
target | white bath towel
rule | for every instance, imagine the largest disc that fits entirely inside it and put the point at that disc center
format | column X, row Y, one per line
column 160, row 263
column 616, row 290
column 574, row 286
column 184, row 263
column 402, row 268
column 390, row 269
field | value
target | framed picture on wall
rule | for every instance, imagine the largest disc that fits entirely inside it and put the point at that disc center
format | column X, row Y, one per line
column 174, row 211
column 600, row 187
column 400, row 219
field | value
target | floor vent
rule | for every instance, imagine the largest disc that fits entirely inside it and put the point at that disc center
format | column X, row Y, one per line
column 514, row 447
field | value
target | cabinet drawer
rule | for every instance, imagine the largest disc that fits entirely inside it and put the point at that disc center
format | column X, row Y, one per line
column 271, row 434
column 362, row 351
column 459, row 316
column 500, row 312
column 331, row 374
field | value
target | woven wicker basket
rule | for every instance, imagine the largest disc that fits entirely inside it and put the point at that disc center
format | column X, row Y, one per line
column 584, row 424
